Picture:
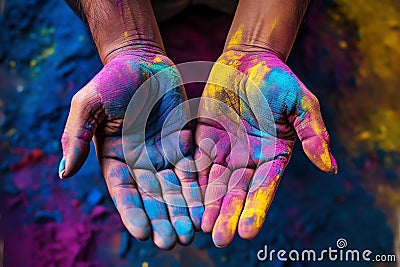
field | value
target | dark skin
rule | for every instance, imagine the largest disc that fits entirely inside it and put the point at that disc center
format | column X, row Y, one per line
column 130, row 46
column 259, row 42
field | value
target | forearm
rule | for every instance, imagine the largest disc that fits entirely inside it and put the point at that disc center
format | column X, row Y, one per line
column 120, row 24
column 266, row 25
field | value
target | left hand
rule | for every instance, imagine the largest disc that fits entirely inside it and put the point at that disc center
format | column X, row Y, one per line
column 153, row 197
column 251, row 145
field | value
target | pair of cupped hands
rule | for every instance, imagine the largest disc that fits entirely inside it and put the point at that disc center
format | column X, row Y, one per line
column 168, row 182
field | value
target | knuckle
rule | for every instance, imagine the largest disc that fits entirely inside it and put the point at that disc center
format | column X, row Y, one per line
column 187, row 179
column 78, row 99
column 172, row 191
column 85, row 97
column 237, row 192
column 151, row 186
column 122, row 184
column 313, row 99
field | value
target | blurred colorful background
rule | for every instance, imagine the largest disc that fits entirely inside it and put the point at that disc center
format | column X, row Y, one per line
column 347, row 53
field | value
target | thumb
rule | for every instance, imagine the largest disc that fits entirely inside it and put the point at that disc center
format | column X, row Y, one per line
column 312, row 133
column 85, row 114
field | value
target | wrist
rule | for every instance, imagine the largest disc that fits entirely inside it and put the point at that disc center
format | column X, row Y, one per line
column 122, row 25
column 136, row 47
column 269, row 26
column 251, row 48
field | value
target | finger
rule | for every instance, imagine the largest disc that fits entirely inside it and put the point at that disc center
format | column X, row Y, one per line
column 232, row 205
column 207, row 152
column 84, row 116
column 261, row 193
column 216, row 189
column 203, row 166
column 312, row 133
column 177, row 207
column 163, row 233
column 186, row 173
column 126, row 197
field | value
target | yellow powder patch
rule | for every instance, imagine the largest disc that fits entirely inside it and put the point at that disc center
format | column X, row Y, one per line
column 258, row 72
column 325, row 157
column 157, row 60
column 272, row 28
column 318, row 129
column 227, row 222
column 238, row 204
column 231, row 58
column 373, row 113
column 343, row 44
column 224, row 106
column 365, row 135
column 11, row 132
column 259, row 204
column 32, row 63
column 306, row 105
column 223, row 85
column 256, row 75
column 237, row 37
column 384, row 124
column 47, row 52
column 221, row 76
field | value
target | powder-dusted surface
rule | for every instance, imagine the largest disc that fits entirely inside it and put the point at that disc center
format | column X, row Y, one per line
column 347, row 54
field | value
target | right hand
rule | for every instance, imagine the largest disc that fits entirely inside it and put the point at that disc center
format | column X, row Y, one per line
column 152, row 196
column 244, row 146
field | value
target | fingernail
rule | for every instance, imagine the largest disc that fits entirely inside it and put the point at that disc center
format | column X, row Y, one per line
column 61, row 168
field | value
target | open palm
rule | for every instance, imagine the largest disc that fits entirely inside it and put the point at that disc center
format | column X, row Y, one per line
column 253, row 109
column 150, row 193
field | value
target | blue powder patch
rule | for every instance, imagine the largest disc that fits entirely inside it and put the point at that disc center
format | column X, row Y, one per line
column 197, row 212
column 154, row 209
column 283, row 90
column 115, row 202
column 61, row 167
column 183, row 227
column 95, row 196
